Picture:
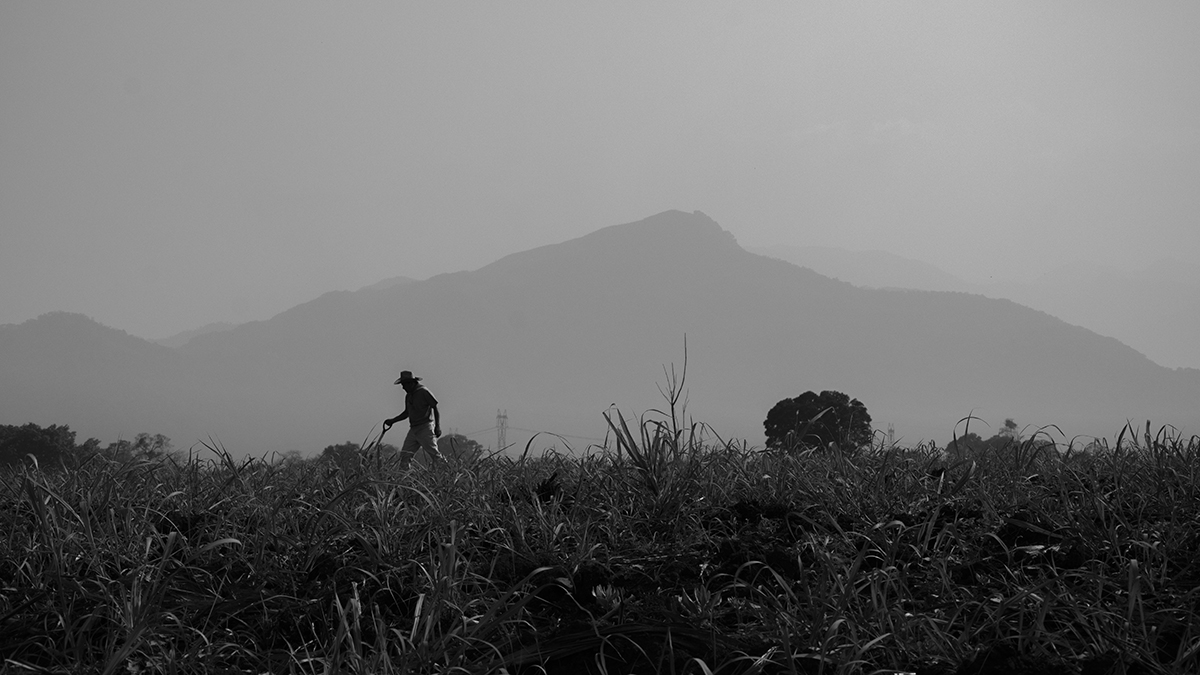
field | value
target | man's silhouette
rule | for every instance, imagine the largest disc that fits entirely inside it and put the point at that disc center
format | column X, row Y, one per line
column 424, row 420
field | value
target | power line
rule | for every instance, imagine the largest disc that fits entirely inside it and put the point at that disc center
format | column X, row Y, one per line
column 476, row 432
column 531, row 431
column 502, row 426
column 543, row 431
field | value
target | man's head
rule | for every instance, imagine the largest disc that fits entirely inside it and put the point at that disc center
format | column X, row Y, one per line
column 407, row 380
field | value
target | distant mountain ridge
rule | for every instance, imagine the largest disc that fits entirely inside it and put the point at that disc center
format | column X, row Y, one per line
column 870, row 268
column 558, row 334
column 180, row 339
column 1156, row 309
column 390, row 282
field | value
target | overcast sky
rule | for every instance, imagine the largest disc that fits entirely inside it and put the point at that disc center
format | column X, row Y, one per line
column 166, row 165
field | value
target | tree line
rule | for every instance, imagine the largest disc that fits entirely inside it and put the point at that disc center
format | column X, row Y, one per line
column 55, row 446
column 810, row 421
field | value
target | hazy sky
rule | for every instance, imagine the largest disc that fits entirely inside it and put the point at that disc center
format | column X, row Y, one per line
column 165, row 165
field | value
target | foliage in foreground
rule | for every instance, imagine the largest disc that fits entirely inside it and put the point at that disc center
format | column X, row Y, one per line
column 679, row 554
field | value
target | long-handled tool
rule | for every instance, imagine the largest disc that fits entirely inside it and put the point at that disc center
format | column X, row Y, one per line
column 375, row 446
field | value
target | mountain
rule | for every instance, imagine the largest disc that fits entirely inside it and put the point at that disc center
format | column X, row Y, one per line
column 1154, row 309
column 180, row 339
column 873, row 269
column 559, row 334
column 65, row 368
column 388, row 283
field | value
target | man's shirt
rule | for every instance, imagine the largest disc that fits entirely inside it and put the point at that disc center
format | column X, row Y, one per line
column 419, row 405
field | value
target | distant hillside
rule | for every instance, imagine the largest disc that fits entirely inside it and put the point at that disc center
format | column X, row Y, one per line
column 1155, row 310
column 180, row 339
column 67, row 369
column 873, row 269
column 558, row 334
column 388, row 283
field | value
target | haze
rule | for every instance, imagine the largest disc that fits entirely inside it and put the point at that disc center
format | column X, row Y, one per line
column 163, row 166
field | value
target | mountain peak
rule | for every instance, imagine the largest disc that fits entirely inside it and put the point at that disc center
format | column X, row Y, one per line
column 70, row 330
column 64, row 322
column 670, row 235
column 673, row 223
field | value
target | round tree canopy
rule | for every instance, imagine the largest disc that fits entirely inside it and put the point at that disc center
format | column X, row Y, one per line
column 816, row 420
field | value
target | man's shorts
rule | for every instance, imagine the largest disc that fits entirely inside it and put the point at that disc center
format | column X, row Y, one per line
column 419, row 437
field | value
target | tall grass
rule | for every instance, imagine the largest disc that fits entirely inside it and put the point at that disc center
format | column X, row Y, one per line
column 673, row 552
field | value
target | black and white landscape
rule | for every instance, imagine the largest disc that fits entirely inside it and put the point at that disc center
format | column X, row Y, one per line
column 657, row 262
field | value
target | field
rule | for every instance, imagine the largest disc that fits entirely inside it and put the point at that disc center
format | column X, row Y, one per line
column 669, row 552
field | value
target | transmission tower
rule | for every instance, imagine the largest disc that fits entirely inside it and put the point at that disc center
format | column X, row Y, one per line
column 501, row 430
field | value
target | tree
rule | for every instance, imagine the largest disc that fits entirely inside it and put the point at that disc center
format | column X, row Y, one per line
column 349, row 453
column 965, row 446
column 1010, row 430
column 49, row 446
column 816, row 420
column 288, row 457
column 342, row 452
column 143, row 446
column 972, row 444
column 151, row 446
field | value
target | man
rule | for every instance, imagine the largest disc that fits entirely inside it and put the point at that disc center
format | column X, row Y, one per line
column 424, row 420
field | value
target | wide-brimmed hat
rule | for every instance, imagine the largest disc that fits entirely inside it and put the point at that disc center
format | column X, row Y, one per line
column 406, row 376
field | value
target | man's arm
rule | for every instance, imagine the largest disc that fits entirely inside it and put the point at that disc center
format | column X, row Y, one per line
column 389, row 422
column 437, row 421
